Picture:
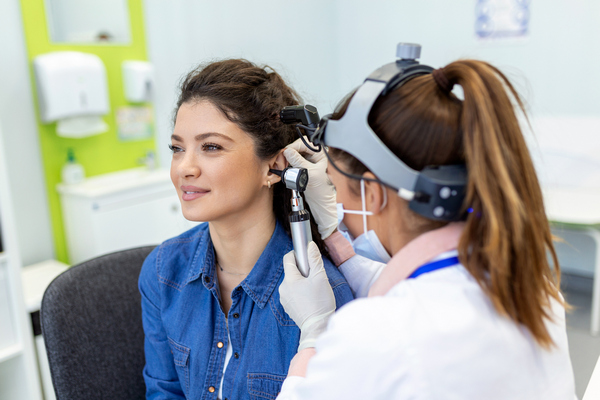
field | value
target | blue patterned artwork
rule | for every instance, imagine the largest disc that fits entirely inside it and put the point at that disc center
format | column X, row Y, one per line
column 496, row 19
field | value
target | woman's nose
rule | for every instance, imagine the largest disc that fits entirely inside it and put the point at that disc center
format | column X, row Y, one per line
column 189, row 167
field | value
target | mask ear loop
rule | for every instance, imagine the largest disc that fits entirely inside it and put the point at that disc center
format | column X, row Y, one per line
column 364, row 205
column 364, row 211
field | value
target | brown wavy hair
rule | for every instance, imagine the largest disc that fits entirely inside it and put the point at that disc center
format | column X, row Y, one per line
column 507, row 238
column 252, row 97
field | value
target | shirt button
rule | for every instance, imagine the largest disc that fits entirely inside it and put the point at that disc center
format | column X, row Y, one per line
column 206, row 279
column 236, row 315
column 236, row 355
column 211, row 389
column 220, row 345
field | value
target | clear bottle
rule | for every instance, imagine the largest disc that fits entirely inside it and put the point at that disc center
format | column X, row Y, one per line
column 72, row 172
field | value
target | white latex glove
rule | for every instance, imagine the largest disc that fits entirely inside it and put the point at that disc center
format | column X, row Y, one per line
column 320, row 193
column 309, row 301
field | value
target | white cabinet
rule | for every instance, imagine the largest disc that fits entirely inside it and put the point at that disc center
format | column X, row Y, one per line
column 18, row 371
column 120, row 210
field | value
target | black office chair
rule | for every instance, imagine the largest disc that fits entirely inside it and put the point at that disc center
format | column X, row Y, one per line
column 92, row 326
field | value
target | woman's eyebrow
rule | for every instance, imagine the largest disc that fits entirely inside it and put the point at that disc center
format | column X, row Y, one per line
column 206, row 135
column 203, row 136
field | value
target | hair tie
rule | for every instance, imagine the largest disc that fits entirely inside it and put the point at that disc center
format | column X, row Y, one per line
column 442, row 80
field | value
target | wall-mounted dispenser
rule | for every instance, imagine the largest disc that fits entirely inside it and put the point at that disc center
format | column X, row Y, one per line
column 138, row 80
column 73, row 90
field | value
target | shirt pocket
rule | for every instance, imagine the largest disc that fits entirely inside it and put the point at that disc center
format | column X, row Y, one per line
column 264, row 386
column 181, row 355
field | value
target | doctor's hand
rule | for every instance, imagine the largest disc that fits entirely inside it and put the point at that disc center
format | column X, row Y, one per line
column 320, row 193
column 309, row 301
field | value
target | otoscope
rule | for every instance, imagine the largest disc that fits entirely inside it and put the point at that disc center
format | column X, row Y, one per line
column 296, row 180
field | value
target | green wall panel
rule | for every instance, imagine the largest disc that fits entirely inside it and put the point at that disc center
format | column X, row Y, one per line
column 98, row 154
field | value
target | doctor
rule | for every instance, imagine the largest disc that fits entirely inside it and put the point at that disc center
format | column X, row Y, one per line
column 468, row 307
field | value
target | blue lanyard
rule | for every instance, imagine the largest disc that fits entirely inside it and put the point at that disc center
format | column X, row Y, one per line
column 434, row 265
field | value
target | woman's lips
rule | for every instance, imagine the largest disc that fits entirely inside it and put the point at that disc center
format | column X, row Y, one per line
column 189, row 193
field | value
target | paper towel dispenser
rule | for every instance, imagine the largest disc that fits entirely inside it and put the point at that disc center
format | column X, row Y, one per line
column 72, row 89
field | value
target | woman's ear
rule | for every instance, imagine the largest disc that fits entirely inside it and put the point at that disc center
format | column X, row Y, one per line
column 279, row 163
column 374, row 194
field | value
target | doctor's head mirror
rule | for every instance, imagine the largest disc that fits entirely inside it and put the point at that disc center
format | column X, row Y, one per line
column 88, row 22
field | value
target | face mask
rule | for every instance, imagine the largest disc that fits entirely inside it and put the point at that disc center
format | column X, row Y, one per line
column 367, row 244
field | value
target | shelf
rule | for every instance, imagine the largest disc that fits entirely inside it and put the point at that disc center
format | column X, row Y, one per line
column 36, row 278
column 117, row 182
column 10, row 352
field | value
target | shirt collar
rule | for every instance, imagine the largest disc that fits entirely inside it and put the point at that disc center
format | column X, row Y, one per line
column 265, row 274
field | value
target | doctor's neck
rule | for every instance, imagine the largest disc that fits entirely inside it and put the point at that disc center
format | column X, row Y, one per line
column 398, row 225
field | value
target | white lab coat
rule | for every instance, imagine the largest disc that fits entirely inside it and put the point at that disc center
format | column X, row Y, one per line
column 430, row 338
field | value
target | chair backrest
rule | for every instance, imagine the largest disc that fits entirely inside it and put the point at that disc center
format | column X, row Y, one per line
column 92, row 327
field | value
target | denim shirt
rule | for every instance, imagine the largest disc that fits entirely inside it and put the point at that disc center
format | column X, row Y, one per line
column 186, row 329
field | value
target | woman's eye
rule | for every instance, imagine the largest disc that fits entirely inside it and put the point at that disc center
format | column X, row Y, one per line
column 175, row 149
column 211, row 147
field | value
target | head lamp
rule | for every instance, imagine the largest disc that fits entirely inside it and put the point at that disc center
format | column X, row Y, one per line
column 436, row 192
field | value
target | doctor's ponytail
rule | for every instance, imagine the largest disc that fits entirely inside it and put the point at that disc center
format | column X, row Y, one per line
column 507, row 238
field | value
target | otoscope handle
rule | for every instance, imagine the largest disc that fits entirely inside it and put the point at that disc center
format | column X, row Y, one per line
column 301, row 237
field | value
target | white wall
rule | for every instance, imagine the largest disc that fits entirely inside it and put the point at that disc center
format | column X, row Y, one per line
column 21, row 142
column 553, row 66
column 326, row 48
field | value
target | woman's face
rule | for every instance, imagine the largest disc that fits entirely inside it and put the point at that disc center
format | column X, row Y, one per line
column 348, row 198
column 214, row 167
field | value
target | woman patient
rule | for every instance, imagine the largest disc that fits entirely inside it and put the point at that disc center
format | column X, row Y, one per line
column 212, row 318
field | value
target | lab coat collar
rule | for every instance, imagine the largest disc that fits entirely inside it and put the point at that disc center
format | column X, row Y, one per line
column 416, row 253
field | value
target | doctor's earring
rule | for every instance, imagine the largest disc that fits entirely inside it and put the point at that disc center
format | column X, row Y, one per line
column 269, row 184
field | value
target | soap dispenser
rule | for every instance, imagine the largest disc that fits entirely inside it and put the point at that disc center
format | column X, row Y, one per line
column 72, row 172
column 138, row 80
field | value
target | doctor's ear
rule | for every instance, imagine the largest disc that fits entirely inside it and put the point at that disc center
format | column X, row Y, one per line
column 375, row 195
